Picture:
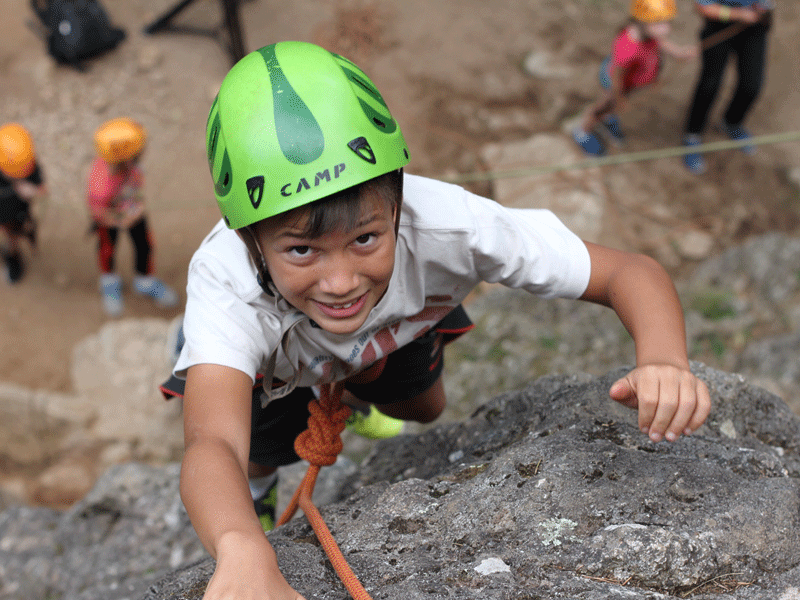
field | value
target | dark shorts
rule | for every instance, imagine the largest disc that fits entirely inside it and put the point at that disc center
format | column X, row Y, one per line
column 408, row 371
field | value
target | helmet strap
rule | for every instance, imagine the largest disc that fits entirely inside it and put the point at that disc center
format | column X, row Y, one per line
column 249, row 238
column 399, row 204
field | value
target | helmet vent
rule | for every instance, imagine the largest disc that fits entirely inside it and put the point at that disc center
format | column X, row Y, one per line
column 379, row 123
column 360, row 82
column 255, row 189
column 212, row 147
column 363, row 150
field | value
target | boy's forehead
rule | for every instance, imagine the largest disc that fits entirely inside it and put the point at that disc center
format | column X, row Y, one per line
column 369, row 207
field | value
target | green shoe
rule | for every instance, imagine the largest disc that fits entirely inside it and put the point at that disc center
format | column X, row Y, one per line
column 375, row 425
column 265, row 507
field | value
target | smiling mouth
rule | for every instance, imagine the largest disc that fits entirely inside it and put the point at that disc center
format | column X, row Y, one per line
column 342, row 310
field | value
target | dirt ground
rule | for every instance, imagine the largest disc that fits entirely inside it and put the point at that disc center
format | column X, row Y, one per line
column 451, row 73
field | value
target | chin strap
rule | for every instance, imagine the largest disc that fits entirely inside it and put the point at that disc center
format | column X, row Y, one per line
column 320, row 444
column 264, row 280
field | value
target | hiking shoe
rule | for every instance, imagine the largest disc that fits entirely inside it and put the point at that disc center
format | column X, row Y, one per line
column 591, row 144
column 14, row 267
column 738, row 134
column 373, row 426
column 111, row 290
column 147, row 285
column 614, row 128
column 265, row 506
column 694, row 160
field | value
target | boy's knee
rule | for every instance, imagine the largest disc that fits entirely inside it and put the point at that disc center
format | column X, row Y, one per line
column 423, row 408
column 430, row 413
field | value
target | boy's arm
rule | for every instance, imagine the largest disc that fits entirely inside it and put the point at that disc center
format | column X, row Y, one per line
column 678, row 51
column 618, row 89
column 720, row 12
column 670, row 399
column 214, row 489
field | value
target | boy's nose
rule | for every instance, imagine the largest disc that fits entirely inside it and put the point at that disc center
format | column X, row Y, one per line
column 340, row 278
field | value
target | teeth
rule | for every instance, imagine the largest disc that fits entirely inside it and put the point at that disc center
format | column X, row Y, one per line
column 340, row 306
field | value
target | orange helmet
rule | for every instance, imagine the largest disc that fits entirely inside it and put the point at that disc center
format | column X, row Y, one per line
column 119, row 140
column 653, row 11
column 17, row 156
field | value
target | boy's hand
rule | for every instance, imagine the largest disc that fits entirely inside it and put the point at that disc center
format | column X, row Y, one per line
column 671, row 400
column 247, row 573
column 749, row 15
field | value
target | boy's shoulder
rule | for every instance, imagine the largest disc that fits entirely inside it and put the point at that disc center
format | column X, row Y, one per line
column 221, row 245
column 223, row 257
column 429, row 203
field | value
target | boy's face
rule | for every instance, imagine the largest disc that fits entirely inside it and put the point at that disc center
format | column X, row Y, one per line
column 337, row 278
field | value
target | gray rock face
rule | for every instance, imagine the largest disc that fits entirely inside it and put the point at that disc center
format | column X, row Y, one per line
column 128, row 531
column 552, row 492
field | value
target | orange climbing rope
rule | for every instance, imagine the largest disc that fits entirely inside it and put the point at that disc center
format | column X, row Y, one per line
column 320, row 444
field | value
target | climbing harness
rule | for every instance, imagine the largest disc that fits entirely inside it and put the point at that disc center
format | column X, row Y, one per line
column 732, row 30
column 320, row 444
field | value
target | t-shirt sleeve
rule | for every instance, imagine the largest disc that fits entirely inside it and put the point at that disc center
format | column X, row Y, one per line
column 465, row 238
column 530, row 249
column 220, row 327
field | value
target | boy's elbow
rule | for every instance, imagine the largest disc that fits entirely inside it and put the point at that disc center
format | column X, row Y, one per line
column 643, row 269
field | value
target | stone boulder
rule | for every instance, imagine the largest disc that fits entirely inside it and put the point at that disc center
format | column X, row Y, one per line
column 552, row 492
column 116, row 414
column 128, row 531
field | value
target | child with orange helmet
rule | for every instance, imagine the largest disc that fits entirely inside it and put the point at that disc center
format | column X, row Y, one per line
column 635, row 62
column 114, row 196
column 20, row 182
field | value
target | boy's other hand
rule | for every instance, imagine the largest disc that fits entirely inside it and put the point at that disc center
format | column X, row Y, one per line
column 671, row 400
column 253, row 584
column 247, row 569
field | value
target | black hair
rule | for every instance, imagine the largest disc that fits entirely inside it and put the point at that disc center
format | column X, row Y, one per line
column 343, row 210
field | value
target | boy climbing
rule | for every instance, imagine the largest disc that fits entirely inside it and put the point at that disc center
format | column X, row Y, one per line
column 332, row 265
column 114, row 196
column 634, row 63
column 21, row 182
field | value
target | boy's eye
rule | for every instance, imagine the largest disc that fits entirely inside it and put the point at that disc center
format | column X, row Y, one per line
column 365, row 239
column 300, row 250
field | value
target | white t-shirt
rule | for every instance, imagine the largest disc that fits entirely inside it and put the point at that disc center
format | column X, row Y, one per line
column 449, row 240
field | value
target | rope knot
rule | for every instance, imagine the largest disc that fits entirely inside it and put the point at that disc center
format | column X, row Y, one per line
column 321, row 443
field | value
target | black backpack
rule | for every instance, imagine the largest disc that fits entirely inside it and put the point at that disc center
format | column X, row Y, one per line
column 76, row 29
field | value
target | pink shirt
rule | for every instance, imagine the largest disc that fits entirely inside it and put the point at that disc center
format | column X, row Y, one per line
column 640, row 60
column 120, row 191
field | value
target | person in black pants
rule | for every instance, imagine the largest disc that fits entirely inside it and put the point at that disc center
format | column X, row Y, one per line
column 21, row 181
column 731, row 27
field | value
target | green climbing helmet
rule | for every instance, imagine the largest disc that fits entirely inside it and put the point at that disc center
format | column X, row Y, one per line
column 294, row 123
